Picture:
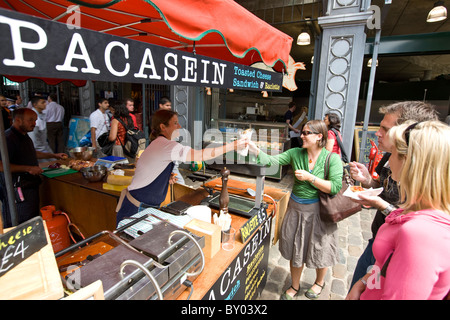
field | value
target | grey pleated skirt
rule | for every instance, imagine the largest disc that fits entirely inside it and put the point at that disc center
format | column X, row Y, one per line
column 305, row 239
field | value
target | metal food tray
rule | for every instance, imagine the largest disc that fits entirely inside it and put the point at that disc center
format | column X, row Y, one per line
column 152, row 266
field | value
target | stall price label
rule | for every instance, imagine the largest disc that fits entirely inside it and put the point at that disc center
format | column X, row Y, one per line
column 20, row 243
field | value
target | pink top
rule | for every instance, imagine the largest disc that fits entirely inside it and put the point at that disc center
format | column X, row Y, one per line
column 420, row 265
column 332, row 136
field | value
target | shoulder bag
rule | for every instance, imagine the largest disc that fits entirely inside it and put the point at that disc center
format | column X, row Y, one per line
column 134, row 140
column 338, row 207
column 344, row 156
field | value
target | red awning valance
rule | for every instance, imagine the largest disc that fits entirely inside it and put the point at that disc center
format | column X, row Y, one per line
column 219, row 29
column 50, row 81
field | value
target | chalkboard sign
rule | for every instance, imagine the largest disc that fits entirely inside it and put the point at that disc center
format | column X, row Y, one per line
column 246, row 276
column 358, row 137
column 20, row 243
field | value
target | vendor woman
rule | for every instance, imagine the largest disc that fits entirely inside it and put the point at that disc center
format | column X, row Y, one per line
column 154, row 167
column 305, row 239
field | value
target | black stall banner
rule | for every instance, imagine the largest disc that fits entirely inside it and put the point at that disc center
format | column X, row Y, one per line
column 36, row 47
column 246, row 276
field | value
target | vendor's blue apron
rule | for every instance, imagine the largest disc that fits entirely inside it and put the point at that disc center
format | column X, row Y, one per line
column 152, row 195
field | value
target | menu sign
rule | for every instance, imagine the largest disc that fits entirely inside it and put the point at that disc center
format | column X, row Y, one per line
column 246, row 276
column 20, row 243
column 36, row 47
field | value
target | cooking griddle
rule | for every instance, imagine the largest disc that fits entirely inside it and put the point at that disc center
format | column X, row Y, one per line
column 168, row 263
column 107, row 267
column 155, row 242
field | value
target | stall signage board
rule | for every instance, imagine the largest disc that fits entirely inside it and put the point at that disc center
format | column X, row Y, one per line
column 37, row 47
column 253, row 223
column 20, row 243
column 246, row 276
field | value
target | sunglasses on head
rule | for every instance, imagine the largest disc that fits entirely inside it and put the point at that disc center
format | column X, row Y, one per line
column 307, row 133
column 408, row 131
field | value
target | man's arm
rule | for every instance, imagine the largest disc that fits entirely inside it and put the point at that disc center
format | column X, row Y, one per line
column 34, row 170
column 47, row 155
column 93, row 138
column 288, row 121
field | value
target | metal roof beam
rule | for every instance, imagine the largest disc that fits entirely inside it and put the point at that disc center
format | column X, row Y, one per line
column 425, row 43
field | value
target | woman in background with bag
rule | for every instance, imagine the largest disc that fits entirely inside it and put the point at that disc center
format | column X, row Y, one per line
column 305, row 239
column 334, row 143
column 118, row 131
column 411, row 247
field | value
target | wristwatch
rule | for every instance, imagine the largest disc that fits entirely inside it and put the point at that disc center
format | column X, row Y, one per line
column 388, row 209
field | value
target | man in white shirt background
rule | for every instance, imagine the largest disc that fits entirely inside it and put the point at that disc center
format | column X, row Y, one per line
column 55, row 118
column 100, row 123
column 39, row 133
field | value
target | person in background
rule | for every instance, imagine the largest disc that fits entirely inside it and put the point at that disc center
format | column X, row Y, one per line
column 288, row 118
column 19, row 101
column 10, row 103
column 39, row 133
column 100, row 123
column 165, row 103
column 24, row 166
column 154, row 168
column 333, row 121
column 411, row 247
column 55, row 117
column 305, row 239
column 118, row 131
column 130, row 107
column 386, row 202
column 6, row 113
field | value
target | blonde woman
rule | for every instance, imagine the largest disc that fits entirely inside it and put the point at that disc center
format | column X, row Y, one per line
column 412, row 247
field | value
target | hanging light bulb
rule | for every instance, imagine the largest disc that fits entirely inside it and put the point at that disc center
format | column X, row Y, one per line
column 265, row 94
column 369, row 63
column 438, row 13
column 231, row 90
column 303, row 39
column 312, row 60
column 208, row 91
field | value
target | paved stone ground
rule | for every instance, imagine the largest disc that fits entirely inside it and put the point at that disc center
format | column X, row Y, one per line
column 353, row 235
column 354, row 232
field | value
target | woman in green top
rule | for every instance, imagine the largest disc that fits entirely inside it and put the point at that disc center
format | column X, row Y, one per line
column 305, row 238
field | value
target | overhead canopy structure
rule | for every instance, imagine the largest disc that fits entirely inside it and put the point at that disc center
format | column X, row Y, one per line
column 220, row 29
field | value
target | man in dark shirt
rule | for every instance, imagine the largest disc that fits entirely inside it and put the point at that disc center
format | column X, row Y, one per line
column 24, row 167
column 394, row 114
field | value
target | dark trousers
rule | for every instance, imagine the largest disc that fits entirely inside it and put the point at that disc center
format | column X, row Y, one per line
column 26, row 210
column 55, row 136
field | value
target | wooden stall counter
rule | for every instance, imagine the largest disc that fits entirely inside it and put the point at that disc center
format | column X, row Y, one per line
column 242, row 272
column 90, row 207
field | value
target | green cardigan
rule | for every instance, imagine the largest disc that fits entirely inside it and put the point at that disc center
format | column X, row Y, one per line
column 298, row 159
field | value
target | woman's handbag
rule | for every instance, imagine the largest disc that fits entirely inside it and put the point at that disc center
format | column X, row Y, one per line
column 105, row 144
column 338, row 207
column 103, row 139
